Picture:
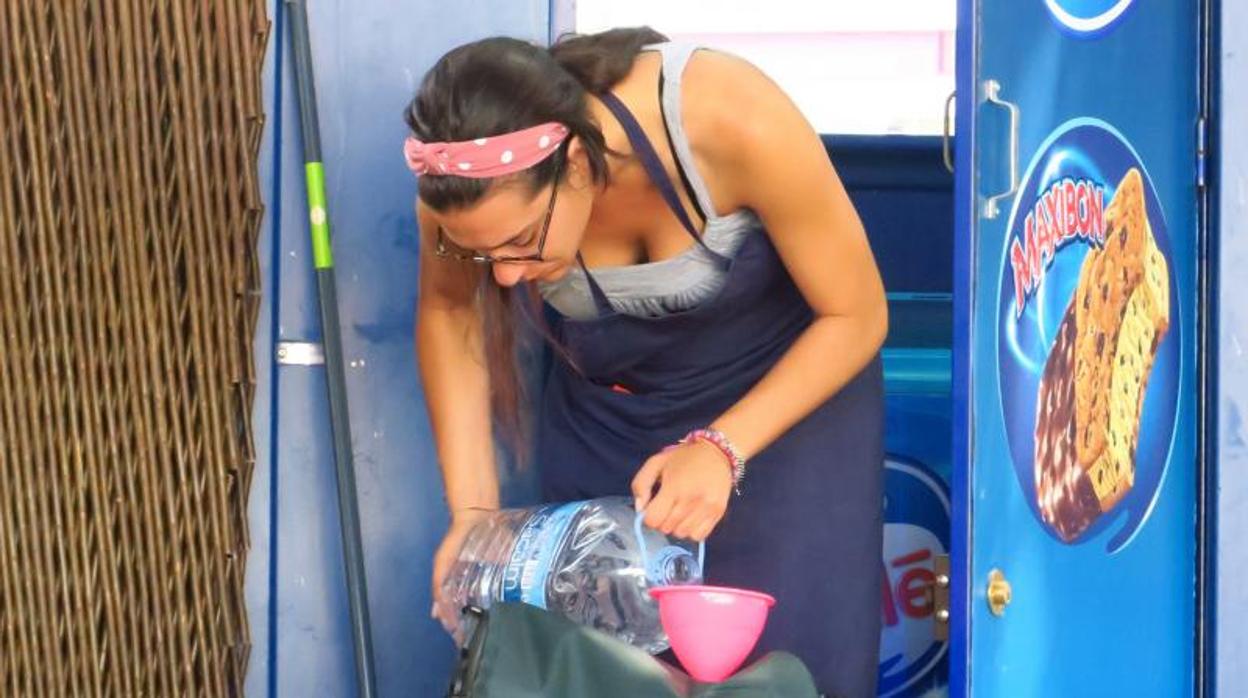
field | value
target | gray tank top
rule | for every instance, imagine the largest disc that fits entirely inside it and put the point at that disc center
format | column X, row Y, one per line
column 672, row 285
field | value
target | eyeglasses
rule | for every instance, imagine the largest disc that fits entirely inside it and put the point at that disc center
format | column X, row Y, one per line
column 446, row 249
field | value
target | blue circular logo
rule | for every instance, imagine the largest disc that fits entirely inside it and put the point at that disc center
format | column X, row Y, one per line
column 1088, row 17
column 1088, row 336
column 916, row 530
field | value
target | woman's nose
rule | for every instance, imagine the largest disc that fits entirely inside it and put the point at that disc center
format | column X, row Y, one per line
column 509, row 274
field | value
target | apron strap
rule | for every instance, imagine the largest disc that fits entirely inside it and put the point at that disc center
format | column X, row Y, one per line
column 600, row 297
column 650, row 160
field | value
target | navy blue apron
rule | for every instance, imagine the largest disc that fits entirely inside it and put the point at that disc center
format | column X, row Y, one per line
column 807, row 526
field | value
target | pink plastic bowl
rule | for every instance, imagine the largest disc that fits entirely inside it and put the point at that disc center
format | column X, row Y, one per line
column 712, row 629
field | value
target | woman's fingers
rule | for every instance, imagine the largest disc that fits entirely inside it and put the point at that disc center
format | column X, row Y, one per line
column 700, row 521
column 703, row 530
column 644, row 481
column 682, row 511
column 658, row 509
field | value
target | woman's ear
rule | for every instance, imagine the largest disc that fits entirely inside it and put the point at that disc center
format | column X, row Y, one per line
column 576, row 147
column 579, row 176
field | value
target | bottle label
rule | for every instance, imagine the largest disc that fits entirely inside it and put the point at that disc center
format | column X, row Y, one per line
column 537, row 544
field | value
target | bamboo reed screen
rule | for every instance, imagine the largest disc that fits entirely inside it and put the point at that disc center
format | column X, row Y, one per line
column 129, row 210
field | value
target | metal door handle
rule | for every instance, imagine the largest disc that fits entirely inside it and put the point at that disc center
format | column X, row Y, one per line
column 992, row 92
column 948, row 133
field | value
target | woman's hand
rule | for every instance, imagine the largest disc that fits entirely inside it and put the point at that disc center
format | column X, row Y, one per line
column 461, row 523
column 694, row 481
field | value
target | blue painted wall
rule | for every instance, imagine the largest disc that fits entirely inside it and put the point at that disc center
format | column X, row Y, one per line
column 1232, row 401
column 369, row 58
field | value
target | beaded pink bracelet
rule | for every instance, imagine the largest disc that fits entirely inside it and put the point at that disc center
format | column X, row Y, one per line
column 717, row 439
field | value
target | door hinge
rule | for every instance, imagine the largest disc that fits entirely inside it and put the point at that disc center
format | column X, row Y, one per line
column 940, row 597
column 1202, row 152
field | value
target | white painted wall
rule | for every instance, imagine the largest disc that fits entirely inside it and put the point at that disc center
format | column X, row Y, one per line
column 852, row 67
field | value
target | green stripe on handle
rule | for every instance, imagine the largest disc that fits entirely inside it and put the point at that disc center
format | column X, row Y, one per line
column 322, row 254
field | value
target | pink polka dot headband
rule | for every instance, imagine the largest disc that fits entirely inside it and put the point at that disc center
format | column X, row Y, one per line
column 485, row 157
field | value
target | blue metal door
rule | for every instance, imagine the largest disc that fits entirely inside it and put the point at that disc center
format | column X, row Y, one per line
column 1076, row 355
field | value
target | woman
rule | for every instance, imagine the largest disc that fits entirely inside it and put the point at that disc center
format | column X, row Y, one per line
column 713, row 303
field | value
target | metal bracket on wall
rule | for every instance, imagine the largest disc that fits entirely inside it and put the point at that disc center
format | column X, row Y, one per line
column 300, row 354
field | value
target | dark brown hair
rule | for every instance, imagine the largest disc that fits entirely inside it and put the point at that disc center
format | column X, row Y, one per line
column 499, row 85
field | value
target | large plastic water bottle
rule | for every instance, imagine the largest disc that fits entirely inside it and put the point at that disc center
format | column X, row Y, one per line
column 592, row 561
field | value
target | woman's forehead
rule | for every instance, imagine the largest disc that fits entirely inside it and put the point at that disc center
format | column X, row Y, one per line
column 499, row 215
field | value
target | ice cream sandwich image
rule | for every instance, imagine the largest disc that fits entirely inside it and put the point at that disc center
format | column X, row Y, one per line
column 1092, row 390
